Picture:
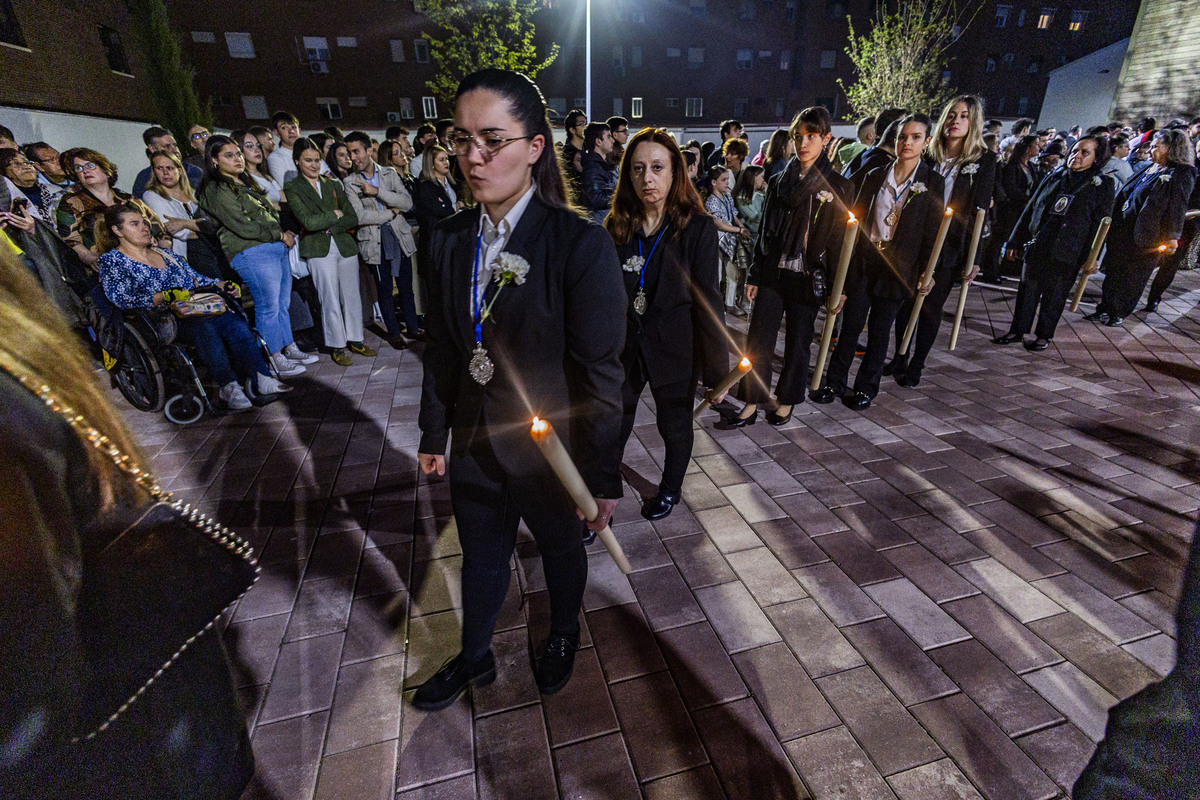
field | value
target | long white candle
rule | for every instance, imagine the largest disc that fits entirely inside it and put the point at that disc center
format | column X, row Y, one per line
column 976, row 232
column 925, row 278
column 835, row 296
column 726, row 383
column 1089, row 266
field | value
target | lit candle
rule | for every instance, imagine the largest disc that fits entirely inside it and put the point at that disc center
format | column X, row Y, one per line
column 560, row 461
column 835, row 296
column 976, row 232
column 726, row 383
column 1089, row 265
column 926, row 277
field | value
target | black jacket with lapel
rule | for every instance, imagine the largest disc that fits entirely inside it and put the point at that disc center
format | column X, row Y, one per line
column 866, row 161
column 971, row 191
column 1091, row 203
column 1149, row 209
column 555, row 341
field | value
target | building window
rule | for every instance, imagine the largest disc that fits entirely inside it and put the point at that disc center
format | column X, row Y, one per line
column 699, row 7
column 747, row 8
column 1000, row 106
column 1023, row 105
column 421, row 50
column 828, row 59
column 10, row 28
column 829, row 102
column 695, row 56
column 785, row 60
column 765, row 54
column 204, row 37
column 990, row 64
column 397, row 50
column 1045, row 20
column 694, row 107
column 406, row 108
column 1035, row 64
column 240, row 45
column 780, row 107
column 673, row 52
column 789, row 10
column 329, row 108
column 1021, row 18
column 580, row 102
column 558, row 105
column 672, row 102
column 1008, row 59
column 741, row 107
column 429, row 107
column 316, row 48
column 347, row 41
column 255, row 106
column 1078, row 20
column 114, row 51
column 619, row 59
column 768, row 5
column 1002, row 13
column 356, row 102
column 635, row 108
column 835, row 9
column 618, row 107
column 635, row 56
column 745, row 59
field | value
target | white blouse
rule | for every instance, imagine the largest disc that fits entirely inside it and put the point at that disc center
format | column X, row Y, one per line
column 170, row 207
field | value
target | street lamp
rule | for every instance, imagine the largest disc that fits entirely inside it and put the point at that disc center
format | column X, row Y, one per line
column 588, row 66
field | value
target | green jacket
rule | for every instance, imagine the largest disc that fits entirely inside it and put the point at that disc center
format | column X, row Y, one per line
column 247, row 217
column 315, row 214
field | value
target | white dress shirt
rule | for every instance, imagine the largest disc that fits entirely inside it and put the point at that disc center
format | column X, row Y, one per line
column 496, row 238
column 948, row 169
column 890, row 195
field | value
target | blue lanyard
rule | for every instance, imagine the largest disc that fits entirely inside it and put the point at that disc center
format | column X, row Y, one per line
column 646, row 261
column 477, row 292
column 903, row 188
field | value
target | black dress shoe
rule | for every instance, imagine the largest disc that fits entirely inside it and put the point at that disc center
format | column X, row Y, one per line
column 776, row 420
column 1037, row 345
column 660, row 505
column 1151, row 306
column 825, row 395
column 306, row 344
column 452, row 680
column 910, row 379
column 1114, row 321
column 1097, row 316
column 1008, row 338
column 897, row 366
column 859, row 401
column 557, row 663
column 730, row 423
column 397, row 343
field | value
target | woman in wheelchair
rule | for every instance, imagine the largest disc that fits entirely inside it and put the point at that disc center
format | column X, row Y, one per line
column 137, row 274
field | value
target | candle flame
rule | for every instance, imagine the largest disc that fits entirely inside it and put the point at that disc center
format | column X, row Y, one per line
column 540, row 425
column 949, row 211
column 853, row 219
column 744, row 363
column 1162, row 248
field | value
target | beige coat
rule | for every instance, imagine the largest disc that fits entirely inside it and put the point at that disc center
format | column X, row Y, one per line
column 393, row 195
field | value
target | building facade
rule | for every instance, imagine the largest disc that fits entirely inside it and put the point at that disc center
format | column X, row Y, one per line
column 1159, row 77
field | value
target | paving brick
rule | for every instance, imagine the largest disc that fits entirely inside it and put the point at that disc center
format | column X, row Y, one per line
column 304, row 678
column 1028, row 563
column 929, row 573
column 1080, row 698
column 737, row 619
column 791, row 545
column 513, row 756
column 1017, row 596
column 1158, row 652
column 1102, row 613
column 701, row 667
column 821, row 648
column 1085, row 647
column 788, row 698
column 583, row 708
column 834, row 766
column 287, row 755
column 746, row 756
column 366, row 705
column 699, row 560
column 993, row 687
column 837, row 595
column 728, row 529
column 695, row 784
column 856, row 558
column 904, row 668
column 596, row 767
column 368, row 773
column 940, row 780
column 434, row 747
column 927, row 625
column 624, row 643
column 1062, row 752
column 665, row 598
column 873, row 526
column 767, row 579
column 658, row 730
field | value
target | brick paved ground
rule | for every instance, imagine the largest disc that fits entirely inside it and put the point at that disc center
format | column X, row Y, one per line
column 938, row 598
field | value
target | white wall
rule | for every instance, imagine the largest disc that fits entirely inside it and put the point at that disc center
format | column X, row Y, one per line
column 1082, row 92
column 119, row 140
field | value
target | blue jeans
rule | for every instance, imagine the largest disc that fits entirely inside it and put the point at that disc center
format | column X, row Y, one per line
column 268, row 276
column 221, row 340
column 408, row 306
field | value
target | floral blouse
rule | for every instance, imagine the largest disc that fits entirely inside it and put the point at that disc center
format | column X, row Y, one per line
column 129, row 283
column 723, row 209
column 78, row 211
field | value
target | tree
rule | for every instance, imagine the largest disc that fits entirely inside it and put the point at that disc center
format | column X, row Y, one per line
column 478, row 34
column 900, row 60
column 173, row 92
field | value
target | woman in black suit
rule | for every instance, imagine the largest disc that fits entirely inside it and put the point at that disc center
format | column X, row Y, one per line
column 1015, row 184
column 526, row 316
column 798, row 247
column 667, row 245
column 968, row 169
column 435, row 198
column 1056, row 232
column 901, row 207
column 1147, row 223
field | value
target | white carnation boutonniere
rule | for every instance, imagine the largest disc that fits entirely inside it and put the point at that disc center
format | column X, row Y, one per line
column 1096, row 181
column 633, row 264
column 508, row 268
column 971, row 169
column 1165, row 177
column 917, row 188
column 824, row 196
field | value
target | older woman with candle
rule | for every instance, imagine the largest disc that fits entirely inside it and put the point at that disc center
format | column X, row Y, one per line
column 667, row 245
column 526, row 316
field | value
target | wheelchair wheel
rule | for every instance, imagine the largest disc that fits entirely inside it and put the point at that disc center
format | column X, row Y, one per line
column 137, row 374
column 184, row 409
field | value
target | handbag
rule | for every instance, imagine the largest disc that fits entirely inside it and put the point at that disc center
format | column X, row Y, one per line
column 200, row 304
column 161, row 579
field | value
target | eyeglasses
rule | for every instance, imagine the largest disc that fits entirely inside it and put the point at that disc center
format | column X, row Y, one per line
column 202, row 135
column 87, row 167
column 488, row 148
column 252, row 146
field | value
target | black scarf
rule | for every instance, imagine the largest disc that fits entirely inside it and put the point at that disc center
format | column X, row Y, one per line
column 796, row 206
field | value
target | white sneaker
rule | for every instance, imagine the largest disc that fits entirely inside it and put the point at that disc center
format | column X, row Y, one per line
column 285, row 366
column 294, row 353
column 261, row 385
column 234, row 398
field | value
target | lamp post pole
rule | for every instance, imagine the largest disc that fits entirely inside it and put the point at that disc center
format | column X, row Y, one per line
column 588, row 67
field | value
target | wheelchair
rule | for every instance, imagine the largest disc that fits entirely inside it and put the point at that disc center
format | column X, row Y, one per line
column 149, row 366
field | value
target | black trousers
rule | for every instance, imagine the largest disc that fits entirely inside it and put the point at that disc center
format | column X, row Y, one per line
column 1125, row 276
column 673, row 413
column 488, row 505
column 1048, row 286
column 770, row 307
column 929, row 321
column 1171, row 264
column 877, row 315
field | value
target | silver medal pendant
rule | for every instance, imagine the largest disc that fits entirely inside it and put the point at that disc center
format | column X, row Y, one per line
column 481, row 367
column 890, row 219
column 639, row 303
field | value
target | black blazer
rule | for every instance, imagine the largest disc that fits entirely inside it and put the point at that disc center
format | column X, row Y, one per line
column 1149, row 209
column 867, row 160
column 432, row 203
column 1014, row 190
column 555, row 341
column 971, row 191
column 896, row 274
column 825, row 235
column 684, row 309
column 1091, row 203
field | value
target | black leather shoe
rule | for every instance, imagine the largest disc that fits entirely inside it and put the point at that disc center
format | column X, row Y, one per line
column 910, row 379
column 825, row 395
column 776, row 420
column 1037, row 345
column 897, row 366
column 660, row 505
column 397, row 343
column 730, row 423
column 557, row 663
column 452, row 680
column 1008, row 338
column 1114, row 322
column 1097, row 316
column 859, row 401
column 1151, row 306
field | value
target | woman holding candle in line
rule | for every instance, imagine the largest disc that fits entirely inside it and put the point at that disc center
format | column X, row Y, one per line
column 526, row 316
column 968, row 169
column 1056, row 232
column 797, row 248
column 901, row 208
column 667, row 245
